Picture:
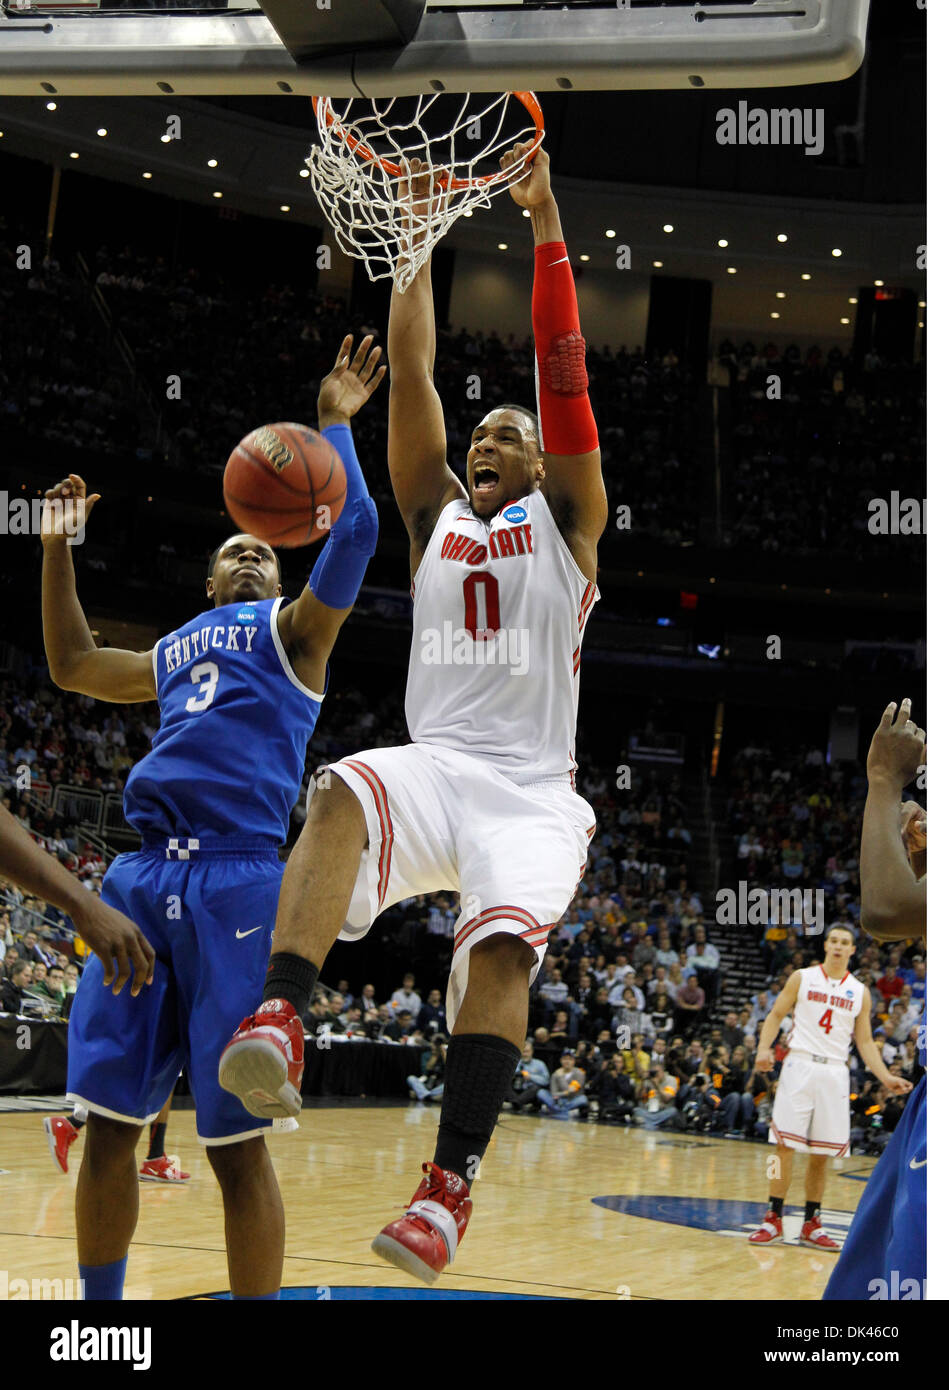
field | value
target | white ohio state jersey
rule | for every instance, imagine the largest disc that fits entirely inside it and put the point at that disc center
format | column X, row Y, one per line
column 500, row 610
column 825, row 1013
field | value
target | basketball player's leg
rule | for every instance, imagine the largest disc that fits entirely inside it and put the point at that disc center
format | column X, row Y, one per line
column 106, row 1205
column 253, row 1217
column 815, row 1178
column 319, row 877
column 780, row 1184
column 496, row 999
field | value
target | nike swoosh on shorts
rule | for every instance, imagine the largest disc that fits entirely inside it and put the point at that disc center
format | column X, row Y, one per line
column 241, row 934
column 921, row 1164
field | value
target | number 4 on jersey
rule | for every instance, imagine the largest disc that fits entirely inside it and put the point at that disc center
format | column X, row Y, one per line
column 826, row 1020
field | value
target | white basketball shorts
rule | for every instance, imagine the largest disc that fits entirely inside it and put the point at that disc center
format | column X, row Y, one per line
column 443, row 821
column 812, row 1106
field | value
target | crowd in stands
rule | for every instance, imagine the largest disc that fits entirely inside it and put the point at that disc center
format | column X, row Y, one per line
column 798, row 471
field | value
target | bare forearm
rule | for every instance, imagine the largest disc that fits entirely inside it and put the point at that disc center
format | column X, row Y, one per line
column 29, row 866
column 893, row 903
column 872, row 1060
column 769, row 1030
column 411, row 343
column 545, row 222
column 66, row 633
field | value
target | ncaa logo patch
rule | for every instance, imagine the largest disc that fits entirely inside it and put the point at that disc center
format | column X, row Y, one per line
column 246, row 615
column 515, row 514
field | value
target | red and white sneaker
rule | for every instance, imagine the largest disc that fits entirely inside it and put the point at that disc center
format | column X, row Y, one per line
column 424, row 1240
column 164, row 1169
column 60, row 1133
column 263, row 1063
column 769, row 1230
column 813, row 1233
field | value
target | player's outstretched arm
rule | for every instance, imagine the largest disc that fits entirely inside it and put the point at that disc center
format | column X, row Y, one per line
column 872, row 1058
column 114, row 938
column 573, row 481
column 75, row 662
column 418, row 449
column 892, row 900
column 310, row 624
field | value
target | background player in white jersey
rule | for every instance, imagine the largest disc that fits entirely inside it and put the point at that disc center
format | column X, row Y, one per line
column 812, row 1106
column 482, row 800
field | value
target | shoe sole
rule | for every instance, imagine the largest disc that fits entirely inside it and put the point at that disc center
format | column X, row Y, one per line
column 397, row 1254
column 812, row 1245
column 770, row 1241
column 256, row 1073
column 169, row 1182
column 51, row 1140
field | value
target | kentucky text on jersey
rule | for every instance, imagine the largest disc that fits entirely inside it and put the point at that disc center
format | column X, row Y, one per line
column 235, row 722
column 181, row 650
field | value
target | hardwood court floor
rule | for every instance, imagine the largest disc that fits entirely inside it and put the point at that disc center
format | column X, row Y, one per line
column 536, row 1230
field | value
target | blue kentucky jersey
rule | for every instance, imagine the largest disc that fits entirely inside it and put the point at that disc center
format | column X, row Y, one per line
column 235, row 722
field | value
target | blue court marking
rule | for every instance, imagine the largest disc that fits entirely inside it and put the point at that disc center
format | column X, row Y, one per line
column 331, row 1293
column 723, row 1216
column 856, row 1177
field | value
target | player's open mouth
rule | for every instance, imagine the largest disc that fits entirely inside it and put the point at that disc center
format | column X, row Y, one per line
column 485, row 479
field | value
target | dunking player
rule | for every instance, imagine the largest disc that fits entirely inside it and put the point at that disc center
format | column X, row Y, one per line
column 884, row 1255
column 482, row 800
column 239, row 690
column 812, row 1106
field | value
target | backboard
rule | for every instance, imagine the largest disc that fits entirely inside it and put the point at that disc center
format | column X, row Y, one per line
column 340, row 48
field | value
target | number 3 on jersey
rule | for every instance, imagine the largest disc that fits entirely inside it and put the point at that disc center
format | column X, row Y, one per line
column 826, row 1021
column 481, row 602
column 205, row 677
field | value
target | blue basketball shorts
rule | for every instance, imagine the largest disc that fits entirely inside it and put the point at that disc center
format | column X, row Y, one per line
column 210, row 920
column 884, row 1255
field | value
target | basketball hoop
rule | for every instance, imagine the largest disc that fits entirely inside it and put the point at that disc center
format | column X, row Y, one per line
column 356, row 170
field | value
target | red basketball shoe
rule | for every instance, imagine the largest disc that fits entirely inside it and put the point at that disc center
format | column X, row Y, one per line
column 263, row 1063
column 60, row 1134
column 164, row 1169
column 769, row 1230
column 813, row 1233
column 424, row 1240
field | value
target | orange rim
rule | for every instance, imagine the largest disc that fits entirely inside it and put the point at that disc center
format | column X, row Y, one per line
column 327, row 118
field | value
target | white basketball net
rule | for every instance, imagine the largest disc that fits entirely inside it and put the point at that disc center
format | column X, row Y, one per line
column 354, row 171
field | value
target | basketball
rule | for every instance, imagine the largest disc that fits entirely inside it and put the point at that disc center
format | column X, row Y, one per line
column 284, row 483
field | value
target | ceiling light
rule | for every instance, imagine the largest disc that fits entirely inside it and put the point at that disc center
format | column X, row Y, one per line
column 469, row 213
column 212, row 163
column 609, row 232
column 733, row 270
column 919, row 325
column 782, row 236
column 657, row 265
column 502, row 245
column 844, row 320
column 73, row 154
column 723, row 243
column 922, row 302
column 304, row 173
column 51, row 106
column 836, row 251
column 879, row 284
column 668, row 227
column 166, row 139
column 102, row 132
column 781, row 295
column 805, row 277
column 284, row 207
column 775, row 315
column 851, row 301
column 584, row 257
column 525, row 212
column 217, row 195
column 146, row 176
